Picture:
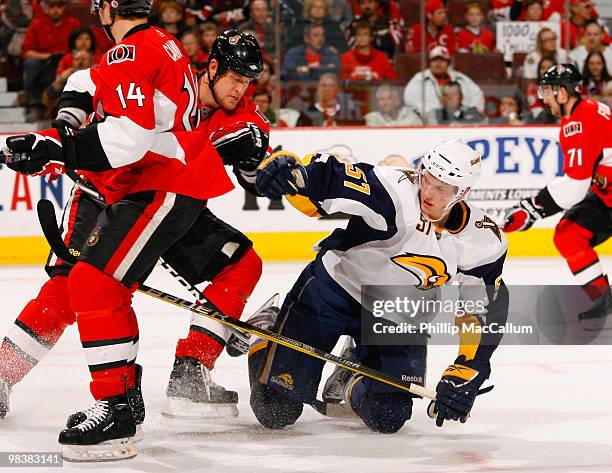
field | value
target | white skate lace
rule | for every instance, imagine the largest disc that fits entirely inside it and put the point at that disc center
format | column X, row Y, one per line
column 95, row 415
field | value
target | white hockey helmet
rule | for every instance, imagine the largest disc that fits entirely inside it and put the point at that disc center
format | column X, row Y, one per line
column 455, row 163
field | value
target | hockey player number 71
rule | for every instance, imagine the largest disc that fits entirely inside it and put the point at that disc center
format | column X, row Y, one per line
column 577, row 154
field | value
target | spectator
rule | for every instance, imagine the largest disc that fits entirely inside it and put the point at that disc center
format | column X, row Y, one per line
column 364, row 62
column 292, row 11
column 474, row 37
column 261, row 26
column 210, row 31
column 309, row 61
column 390, row 111
column 510, row 112
column 593, row 41
column 192, row 42
column 533, row 10
column 595, row 75
column 81, row 39
column 263, row 99
column 546, row 47
column 535, row 104
column 387, row 26
column 171, row 18
column 81, row 59
column 316, row 13
column 45, row 42
column 452, row 110
column 581, row 12
column 431, row 79
column 527, row 10
column 437, row 31
column 341, row 12
column 331, row 106
column 327, row 106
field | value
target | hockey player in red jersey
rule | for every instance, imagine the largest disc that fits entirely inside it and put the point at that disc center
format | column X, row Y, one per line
column 155, row 191
column 229, row 119
column 211, row 251
column 583, row 191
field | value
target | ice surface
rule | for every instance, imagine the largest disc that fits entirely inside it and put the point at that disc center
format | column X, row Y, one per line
column 550, row 411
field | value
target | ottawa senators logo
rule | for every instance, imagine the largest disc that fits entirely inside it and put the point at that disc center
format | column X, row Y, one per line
column 121, row 53
column 600, row 181
column 94, row 237
column 572, row 128
column 486, row 222
column 431, row 271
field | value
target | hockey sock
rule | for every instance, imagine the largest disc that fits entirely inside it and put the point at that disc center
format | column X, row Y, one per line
column 106, row 326
column 574, row 243
column 37, row 329
column 229, row 291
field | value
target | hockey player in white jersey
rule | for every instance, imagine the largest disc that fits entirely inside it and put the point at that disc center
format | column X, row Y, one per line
column 406, row 228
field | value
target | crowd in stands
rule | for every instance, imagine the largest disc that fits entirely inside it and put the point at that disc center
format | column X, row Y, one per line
column 340, row 62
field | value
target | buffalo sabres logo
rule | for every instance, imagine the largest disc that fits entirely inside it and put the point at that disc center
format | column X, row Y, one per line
column 486, row 222
column 121, row 53
column 429, row 270
column 285, row 380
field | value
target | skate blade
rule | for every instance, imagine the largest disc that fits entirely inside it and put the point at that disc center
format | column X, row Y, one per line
column 183, row 408
column 335, row 410
column 111, row 450
column 596, row 324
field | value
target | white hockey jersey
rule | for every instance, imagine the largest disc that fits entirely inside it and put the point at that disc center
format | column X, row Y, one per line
column 387, row 240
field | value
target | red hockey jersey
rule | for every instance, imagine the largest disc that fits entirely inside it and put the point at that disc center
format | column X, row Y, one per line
column 481, row 41
column 445, row 37
column 145, row 86
column 586, row 142
column 245, row 111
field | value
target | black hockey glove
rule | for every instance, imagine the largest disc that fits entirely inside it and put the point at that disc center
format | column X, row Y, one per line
column 522, row 216
column 35, row 154
column 241, row 142
column 457, row 390
column 281, row 174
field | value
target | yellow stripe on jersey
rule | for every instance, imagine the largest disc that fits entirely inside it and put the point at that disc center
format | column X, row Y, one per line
column 469, row 335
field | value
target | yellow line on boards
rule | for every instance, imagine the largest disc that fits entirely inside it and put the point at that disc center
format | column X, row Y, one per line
column 293, row 246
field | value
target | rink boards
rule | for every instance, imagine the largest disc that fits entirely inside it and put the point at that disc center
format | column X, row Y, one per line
column 517, row 162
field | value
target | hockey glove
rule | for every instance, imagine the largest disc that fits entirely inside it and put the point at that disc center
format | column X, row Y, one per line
column 240, row 142
column 522, row 216
column 457, row 391
column 281, row 174
column 36, row 153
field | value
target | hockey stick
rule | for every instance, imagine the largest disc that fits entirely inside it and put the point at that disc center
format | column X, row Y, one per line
column 237, row 346
column 207, row 309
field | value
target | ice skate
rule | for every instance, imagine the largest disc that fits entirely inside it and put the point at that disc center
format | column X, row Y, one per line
column 598, row 317
column 107, row 434
column 135, row 400
column 192, row 394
